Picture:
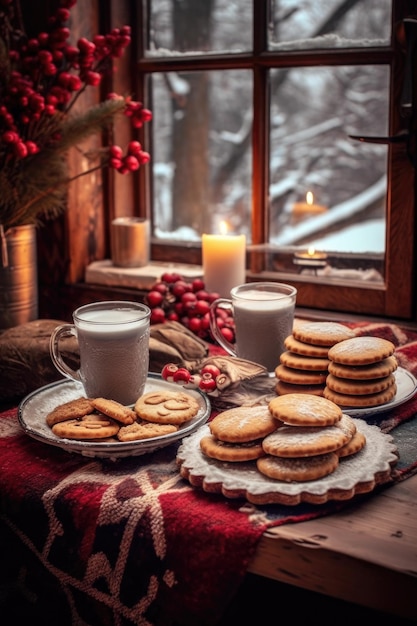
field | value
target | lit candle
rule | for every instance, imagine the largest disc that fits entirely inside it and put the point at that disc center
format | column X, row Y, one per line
column 310, row 258
column 224, row 262
column 307, row 208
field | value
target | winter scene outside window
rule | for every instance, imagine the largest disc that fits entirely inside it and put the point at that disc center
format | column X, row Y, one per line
column 325, row 191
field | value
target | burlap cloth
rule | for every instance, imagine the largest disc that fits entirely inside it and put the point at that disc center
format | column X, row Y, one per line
column 25, row 362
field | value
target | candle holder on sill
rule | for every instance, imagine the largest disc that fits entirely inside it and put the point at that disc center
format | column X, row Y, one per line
column 310, row 259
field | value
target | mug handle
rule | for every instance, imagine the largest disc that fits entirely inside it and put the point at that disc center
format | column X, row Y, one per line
column 60, row 332
column 215, row 330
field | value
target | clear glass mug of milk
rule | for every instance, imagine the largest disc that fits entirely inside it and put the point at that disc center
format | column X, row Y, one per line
column 264, row 315
column 113, row 339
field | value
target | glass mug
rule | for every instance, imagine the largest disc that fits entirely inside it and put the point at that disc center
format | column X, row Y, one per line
column 264, row 315
column 113, row 339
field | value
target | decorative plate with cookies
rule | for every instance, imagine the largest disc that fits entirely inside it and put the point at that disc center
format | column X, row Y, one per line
column 297, row 448
column 60, row 415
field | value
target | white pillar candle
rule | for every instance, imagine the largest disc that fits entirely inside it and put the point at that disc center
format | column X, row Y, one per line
column 224, row 262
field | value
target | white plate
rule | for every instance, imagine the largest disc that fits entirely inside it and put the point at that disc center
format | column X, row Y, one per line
column 34, row 408
column 406, row 388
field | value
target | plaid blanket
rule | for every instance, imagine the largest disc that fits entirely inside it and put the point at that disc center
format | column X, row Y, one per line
column 128, row 542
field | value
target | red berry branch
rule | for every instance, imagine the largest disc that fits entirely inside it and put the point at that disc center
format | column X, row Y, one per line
column 172, row 298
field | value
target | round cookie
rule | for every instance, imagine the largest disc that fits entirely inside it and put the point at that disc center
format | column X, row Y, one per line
column 300, row 377
column 305, row 441
column 307, row 349
column 166, row 407
column 88, row 427
column 242, row 424
column 302, row 362
column 361, row 350
column 305, row 410
column 144, row 430
column 359, row 387
column 300, row 470
column 283, row 388
column 353, row 446
column 380, row 369
column 115, row 410
column 73, row 409
column 232, row 452
column 322, row 333
column 360, row 402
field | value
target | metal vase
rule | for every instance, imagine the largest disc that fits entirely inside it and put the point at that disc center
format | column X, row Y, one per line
column 18, row 276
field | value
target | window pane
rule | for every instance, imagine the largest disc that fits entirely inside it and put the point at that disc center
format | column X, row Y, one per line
column 301, row 24
column 201, row 154
column 313, row 112
column 182, row 26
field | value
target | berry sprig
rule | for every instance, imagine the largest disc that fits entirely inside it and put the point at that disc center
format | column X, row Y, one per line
column 210, row 379
column 172, row 298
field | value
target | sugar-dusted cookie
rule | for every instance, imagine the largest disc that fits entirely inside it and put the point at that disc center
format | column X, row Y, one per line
column 144, row 430
column 305, row 410
column 300, row 470
column 322, row 333
column 359, row 387
column 359, row 402
column 380, row 369
column 307, row 349
column 282, row 388
column 167, row 407
column 361, row 350
column 232, row 452
column 353, row 446
column 303, row 441
column 302, row 362
column 300, row 377
column 72, row 409
column 91, row 426
column 243, row 423
column 114, row 409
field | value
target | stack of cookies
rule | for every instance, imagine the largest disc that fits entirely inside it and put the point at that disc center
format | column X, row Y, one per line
column 361, row 372
column 304, row 364
column 297, row 437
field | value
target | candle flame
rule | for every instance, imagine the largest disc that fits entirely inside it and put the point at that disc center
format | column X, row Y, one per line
column 309, row 198
column 311, row 251
column 223, row 227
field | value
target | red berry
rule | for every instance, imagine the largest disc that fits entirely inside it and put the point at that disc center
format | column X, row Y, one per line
column 157, row 316
column 202, row 307
column 182, row 375
column 168, row 371
column 213, row 370
column 154, row 299
column 188, row 298
column 194, row 324
column 228, row 334
column 197, row 284
column 161, row 287
column 207, row 383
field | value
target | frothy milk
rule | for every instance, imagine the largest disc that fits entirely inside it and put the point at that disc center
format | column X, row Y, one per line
column 263, row 320
column 114, row 353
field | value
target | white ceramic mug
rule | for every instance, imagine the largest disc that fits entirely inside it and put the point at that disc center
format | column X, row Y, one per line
column 263, row 315
column 113, row 339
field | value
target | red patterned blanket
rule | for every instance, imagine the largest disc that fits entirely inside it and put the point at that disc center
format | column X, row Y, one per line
column 128, row 542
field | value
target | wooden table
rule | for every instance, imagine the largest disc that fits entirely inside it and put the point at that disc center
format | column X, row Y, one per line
column 366, row 554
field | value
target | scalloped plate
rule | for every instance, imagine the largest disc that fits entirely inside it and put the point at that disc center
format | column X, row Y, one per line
column 406, row 388
column 358, row 473
column 34, row 408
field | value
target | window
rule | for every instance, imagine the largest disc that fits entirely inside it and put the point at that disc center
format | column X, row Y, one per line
column 253, row 106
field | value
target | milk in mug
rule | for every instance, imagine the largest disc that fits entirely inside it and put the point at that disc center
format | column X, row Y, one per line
column 113, row 340
column 263, row 320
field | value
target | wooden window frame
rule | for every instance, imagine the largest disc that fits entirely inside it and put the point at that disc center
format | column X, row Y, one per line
column 394, row 299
